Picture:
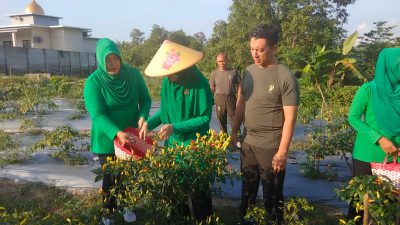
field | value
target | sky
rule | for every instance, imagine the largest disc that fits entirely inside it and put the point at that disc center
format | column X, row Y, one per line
column 116, row 19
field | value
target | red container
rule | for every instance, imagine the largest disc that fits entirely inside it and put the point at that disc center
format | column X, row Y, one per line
column 136, row 149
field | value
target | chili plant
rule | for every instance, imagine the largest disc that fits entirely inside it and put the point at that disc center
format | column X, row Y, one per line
column 68, row 142
column 383, row 199
column 166, row 177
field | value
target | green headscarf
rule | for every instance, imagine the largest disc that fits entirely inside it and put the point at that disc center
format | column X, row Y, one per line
column 117, row 86
column 386, row 94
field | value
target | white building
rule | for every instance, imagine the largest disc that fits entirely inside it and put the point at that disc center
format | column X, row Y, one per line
column 34, row 29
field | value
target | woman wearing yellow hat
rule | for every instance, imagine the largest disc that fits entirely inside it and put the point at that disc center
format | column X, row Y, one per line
column 186, row 106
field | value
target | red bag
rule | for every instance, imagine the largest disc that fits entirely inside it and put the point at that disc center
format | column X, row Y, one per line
column 136, row 149
column 388, row 170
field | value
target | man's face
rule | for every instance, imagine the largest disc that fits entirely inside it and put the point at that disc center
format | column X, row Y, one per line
column 221, row 62
column 113, row 64
column 262, row 53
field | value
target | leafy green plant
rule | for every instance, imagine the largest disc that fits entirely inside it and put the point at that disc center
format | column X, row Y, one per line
column 68, row 142
column 321, row 141
column 79, row 105
column 296, row 211
column 166, row 177
column 9, row 150
column 34, row 95
column 383, row 198
column 323, row 65
column 37, row 204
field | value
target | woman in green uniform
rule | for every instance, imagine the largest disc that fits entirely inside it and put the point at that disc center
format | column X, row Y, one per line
column 375, row 115
column 186, row 107
column 116, row 97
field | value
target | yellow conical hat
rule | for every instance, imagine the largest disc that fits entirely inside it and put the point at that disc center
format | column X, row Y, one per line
column 172, row 58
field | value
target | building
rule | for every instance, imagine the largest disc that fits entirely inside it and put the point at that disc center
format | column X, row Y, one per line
column 35, row 29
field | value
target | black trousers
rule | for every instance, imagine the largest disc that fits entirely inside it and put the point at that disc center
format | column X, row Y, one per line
column 225, row 106
column 202, row 207
column 256, row 166
column 109, row 202
column 359, row 168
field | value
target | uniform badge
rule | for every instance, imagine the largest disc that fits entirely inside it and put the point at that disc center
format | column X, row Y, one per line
column 271, row 88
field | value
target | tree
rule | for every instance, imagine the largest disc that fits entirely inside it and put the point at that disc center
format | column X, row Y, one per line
column 304, row 23
column 372, row 43
column 137, row 37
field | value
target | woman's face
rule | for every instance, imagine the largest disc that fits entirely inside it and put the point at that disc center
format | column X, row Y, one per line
column 173, row 77
column 113, row 64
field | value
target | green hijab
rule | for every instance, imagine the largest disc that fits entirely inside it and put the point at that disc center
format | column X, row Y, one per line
column 118, row 86
column 386, row 94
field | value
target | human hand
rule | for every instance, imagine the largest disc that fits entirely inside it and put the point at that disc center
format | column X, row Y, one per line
column 124, row 137
column 143, row 130
column 165, row 131
column 140, row 123
column 387, row 146
column 234, row 138
column 279, row 162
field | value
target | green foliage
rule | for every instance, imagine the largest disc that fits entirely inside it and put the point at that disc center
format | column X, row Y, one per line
column 296, row 211
column 68, row 142
column 79, row 105
column 372, row 43
column 20, row 95
column 307, row 23
column 67, row 87
column 31, row 125
column 338, row 100
column 35, row 204
column 9, row 150
column 321, row 141
column 349, row 43
column 383, row 198
column 166, row 177
column 154, row 86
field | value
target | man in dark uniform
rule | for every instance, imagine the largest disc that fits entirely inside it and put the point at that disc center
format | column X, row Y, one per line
column 268, row 106
column 225, row 85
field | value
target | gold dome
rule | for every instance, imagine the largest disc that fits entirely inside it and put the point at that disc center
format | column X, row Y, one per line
column 34, row 8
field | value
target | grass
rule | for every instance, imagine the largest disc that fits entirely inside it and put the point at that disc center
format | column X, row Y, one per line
column 36, row 203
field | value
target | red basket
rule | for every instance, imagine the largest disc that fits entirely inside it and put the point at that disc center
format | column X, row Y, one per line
column 136, row 149
column 388, row 170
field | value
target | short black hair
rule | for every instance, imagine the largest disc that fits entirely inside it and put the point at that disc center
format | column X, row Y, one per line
column 224, row 54
column 266, row 31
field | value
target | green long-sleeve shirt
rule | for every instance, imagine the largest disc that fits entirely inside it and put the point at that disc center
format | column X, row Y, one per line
column 109, row 116
column 187, row 107
column 362, row 119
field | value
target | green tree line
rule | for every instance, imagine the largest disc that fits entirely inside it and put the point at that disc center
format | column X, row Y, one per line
column 305, row 24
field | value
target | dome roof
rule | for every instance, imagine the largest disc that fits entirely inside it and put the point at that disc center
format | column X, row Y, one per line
column 34, row 8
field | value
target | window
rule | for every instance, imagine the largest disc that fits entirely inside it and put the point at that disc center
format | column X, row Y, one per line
column 37, row 39
column 26, row 43
column 7, row 43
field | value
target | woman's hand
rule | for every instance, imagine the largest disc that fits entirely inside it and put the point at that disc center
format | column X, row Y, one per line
column 387, row 146
column 140, row 123
column 124, row 137
column 143, row 130
column 166, row 131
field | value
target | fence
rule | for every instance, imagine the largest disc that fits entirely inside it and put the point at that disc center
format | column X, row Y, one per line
column 17, row 60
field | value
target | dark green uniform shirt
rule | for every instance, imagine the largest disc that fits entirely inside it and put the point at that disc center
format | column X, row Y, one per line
column 266, row 91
